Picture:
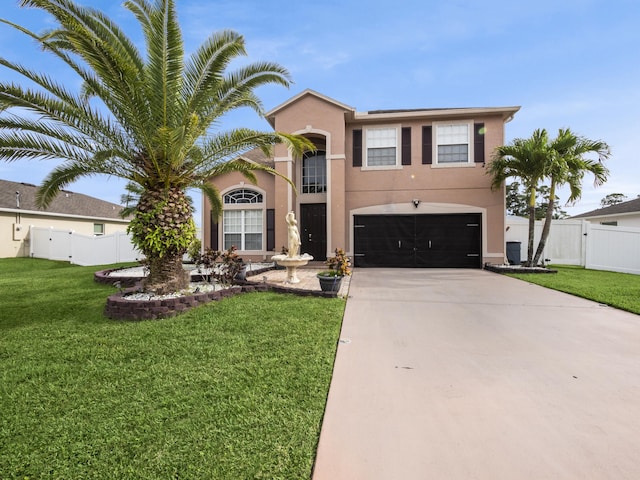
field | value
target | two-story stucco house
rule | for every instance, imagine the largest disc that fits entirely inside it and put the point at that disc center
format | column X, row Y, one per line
column 394, row 188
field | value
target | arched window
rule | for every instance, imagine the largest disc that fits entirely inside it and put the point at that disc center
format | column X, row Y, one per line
column 242, row 195
column 242, row 219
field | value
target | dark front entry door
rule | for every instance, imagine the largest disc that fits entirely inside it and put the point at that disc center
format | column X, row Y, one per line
column 313, row 230
column 451, row 240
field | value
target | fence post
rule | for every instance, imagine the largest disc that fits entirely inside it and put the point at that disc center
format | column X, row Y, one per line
column 72, row 248
column 588, row 254
column 584, row 243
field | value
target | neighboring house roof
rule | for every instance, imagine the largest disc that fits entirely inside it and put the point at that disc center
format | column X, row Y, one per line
column 257, row 156
column 21, row 197
column 624, row 208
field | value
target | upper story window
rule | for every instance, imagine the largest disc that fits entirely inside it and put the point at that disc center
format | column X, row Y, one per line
column 453, row 144
column 382, row 147
column 314, row 172
column 242, row 195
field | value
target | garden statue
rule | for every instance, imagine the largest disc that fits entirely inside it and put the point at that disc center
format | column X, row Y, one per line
column 293, row 235
column 292, row 259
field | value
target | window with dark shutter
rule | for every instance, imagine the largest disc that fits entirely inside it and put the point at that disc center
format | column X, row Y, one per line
column 406, row 145
column 271, row 229
column 427, row 146
column 357, row 148
column 478, row 142
column 214, row 232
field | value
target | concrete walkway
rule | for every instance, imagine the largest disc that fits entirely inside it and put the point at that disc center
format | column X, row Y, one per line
column 466, row 374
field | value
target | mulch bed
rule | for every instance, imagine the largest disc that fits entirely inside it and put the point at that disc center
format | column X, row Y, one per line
column 119, row 308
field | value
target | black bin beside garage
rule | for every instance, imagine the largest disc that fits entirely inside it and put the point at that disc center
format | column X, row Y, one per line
column 513, row 253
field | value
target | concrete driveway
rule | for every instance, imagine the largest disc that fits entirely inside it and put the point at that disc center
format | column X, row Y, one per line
column 466, row 374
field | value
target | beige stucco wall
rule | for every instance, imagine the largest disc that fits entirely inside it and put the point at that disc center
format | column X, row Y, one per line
column 19, row 245
column 231, row 181
column 314, row 117
column 440, row 189
column 628, row 220
column 312, row 114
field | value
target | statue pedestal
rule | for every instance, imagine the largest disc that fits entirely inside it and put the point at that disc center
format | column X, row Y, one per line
column 292, row 264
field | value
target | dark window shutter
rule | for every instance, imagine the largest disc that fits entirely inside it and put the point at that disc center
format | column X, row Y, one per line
column 478, row 142
column 427, row 146
column 271, row 229
column 214, row 233
column 406, row 145
column 357, row 148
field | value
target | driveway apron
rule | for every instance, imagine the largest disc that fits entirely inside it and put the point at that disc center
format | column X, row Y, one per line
column 467, row 374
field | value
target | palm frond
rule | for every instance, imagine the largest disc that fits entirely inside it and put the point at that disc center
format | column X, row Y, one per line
column 18, row 145
column 57, row 179
column 204, row 70
column 212, row 194
column 49, row 130
column 75, row 115
column 165, row 61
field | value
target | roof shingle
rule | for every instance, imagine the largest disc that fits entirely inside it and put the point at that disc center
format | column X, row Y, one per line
column 22, row 196
column 632, row 206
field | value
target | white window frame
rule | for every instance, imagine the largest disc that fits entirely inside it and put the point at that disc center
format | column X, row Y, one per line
column 397, row 146
column 243, row 207
column 102, row 229
column 243, row 230
column 437, row 126
column 302, row 177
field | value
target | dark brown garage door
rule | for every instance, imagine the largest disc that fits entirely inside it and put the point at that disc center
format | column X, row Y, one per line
column 422, row 241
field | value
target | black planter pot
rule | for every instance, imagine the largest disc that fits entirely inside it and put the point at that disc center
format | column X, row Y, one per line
column 242, row 274
column 330, row 283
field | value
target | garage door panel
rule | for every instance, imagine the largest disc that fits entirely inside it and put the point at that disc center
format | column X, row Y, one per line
column 384, row 241
column 436, row 241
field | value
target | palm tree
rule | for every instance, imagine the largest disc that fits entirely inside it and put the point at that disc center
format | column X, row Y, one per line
column 523, row 159
column 146, row 117
column 130, row 199
column 566, row 164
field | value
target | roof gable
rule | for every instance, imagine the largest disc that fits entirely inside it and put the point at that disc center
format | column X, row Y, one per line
column 22, row 196
column 271, row 114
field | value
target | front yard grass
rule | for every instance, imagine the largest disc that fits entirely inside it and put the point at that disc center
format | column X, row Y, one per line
column 619, row 290
column 232, row 389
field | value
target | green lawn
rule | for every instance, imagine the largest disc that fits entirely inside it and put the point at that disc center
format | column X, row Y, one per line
column 231, row 390
column 620, row 290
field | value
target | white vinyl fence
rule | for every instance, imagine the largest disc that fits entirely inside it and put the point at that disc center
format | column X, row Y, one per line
column 578, row 242
column 84, row 250
column 613, row 248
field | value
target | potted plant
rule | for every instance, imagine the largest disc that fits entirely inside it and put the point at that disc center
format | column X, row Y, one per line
column 339, row 266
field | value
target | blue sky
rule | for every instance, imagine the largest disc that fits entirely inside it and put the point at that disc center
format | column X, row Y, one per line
column 569, row 63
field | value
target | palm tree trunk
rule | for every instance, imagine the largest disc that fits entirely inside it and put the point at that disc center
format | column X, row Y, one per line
column 166, row 275
column 163, row 231
column 547, row 224
column 532, row 225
